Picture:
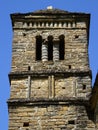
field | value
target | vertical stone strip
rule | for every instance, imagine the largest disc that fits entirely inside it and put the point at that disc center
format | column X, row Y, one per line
column 74, row 24
column 30, row 24
column 49, row 86
column 25, row 25
column 47, row 24
column 69, row 25
column 56, row 50
column 76, row 84
column 74, row 88
column 42, row 24
column 53, row 86
column 44, row 51
column 55, row 24
column 51, row 24
column 38, row 24
column 65, row 25
column 35, row 25
column 60, row 24
column 29, row 87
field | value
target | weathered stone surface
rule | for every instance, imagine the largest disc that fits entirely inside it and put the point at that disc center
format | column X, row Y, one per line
column 51, row 91
column 24, row 50
column 50, row 117
column 41, row 87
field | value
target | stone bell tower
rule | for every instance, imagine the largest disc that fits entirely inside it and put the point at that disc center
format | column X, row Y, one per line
column 50, row 77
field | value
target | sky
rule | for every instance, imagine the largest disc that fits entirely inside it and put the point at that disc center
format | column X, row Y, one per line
column 6, row 34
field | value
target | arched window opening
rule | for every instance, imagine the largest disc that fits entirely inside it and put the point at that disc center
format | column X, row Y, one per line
column 38, row 47
column 61, row 47
column 29, row 68
column 50, row 48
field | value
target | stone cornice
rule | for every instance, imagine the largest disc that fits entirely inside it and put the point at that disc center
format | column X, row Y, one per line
column 50, row 72
column 46, row 73
column 54, row 101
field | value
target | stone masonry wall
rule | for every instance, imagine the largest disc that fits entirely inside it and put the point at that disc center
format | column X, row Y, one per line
column 45, row 87
column 19, row 88
column 50, row 95
column 76, row 49
column 49, row 117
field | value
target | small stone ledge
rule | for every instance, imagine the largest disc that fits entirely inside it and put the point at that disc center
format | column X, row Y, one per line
column 53, row 101
column 45, row 28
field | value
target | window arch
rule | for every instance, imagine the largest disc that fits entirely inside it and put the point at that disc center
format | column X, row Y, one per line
column 38, row 47
column 50, row 47
column 61, row 47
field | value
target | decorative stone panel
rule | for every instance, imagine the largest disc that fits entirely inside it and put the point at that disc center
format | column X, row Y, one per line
column 39, row 88
column 64, row 87
column 19, row 88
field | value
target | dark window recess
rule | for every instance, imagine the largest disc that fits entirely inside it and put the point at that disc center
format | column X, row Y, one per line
column 76, row 36
column 24, row 34
column 62, row 23
column 50, row 49
column 63, row 87
column 71, row 122
column 28, row 23
column 38, row 47
column 40, row 23
column 61, row 48
column 25, row 124
column 66, row 24
column 71, row 24
column 29, row 68
column 69, row 66
column 84, row 86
